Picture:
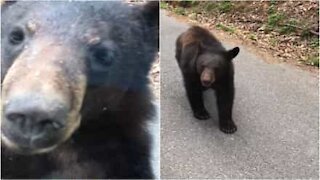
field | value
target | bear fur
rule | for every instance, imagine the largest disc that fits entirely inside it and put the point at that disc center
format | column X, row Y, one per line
column 102, row 53
column 205, row 64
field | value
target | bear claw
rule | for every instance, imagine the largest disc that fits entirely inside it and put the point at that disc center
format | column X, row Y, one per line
column 201, row 115
column 228, row 129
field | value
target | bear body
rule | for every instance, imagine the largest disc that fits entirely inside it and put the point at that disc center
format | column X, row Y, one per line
column 205, row 64
column 75, row 98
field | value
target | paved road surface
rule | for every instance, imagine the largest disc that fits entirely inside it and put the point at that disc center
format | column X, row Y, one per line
column 276, row 110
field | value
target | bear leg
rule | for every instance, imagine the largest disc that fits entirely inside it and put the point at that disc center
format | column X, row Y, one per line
column 194, row 93
column 225, row 96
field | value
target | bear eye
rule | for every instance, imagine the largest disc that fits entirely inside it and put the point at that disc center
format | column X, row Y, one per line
column 102, row 55
column 16, row 36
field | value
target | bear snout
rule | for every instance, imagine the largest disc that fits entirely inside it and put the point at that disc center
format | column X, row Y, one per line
column 207, row 77
column 42, row 94
column 34, row 121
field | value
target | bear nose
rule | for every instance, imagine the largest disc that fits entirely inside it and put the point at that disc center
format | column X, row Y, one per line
column 34, row 117
column 206, row 83
column 33, row 123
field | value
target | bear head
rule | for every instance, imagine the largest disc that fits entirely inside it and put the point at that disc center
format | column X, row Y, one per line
column 62, row 62
column 212, row 64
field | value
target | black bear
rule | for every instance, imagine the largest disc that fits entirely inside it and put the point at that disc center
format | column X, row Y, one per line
column 75, row 98
column 205, row 64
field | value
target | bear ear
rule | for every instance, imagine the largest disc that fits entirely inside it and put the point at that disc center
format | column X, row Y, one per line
column 233, row 53
column 151, row 13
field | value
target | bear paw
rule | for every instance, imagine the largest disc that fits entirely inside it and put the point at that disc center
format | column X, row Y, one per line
column 228, row 128
column 201, row 114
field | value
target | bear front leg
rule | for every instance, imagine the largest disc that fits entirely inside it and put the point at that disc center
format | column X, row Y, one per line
column 225, row 96
column 194, row 94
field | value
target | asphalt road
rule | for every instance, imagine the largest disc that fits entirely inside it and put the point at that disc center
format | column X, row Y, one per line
column 276, row 110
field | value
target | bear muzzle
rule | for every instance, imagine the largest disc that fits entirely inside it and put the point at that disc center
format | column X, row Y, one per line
column 32, row 121
column 207, row 77
column 40, row 105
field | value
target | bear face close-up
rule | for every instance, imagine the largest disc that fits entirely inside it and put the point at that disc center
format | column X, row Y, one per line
column 75, row 96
